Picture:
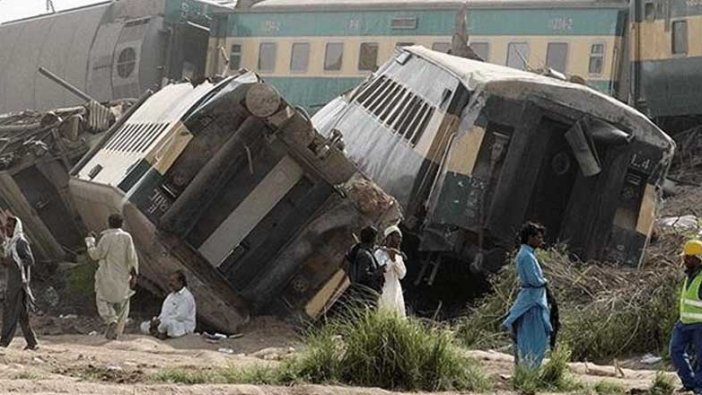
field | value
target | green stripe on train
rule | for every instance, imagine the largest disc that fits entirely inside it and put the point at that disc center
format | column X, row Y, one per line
column 188, row 10
column 565, row 22
column 312, row 93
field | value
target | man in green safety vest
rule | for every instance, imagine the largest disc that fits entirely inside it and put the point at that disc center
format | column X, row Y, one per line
column 687, row 332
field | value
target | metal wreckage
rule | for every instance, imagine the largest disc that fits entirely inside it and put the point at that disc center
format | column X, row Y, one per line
column 257, row 202
column 471, row 150
column 229, row 183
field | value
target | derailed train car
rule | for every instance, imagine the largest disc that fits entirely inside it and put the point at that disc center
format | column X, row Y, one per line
column 229, row 183
column 471, row 150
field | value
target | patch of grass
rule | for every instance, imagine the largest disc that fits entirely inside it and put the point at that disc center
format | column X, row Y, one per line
column 376, row 349
column 663, row 384
column 81, row 280
column 28, row 375
column 607, row 387
column 553, row 376
column 189, row 376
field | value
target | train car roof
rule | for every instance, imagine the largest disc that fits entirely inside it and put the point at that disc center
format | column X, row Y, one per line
column 328, row 5
column 517, row 84
column 58, row 13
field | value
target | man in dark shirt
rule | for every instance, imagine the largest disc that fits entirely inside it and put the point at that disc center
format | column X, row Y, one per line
column 365, row 274
column 18, row 296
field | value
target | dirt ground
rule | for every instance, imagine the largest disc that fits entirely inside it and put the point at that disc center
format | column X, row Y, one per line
column 89, row 364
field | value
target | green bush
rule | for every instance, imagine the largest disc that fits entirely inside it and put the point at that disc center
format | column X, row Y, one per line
column 553, row 376
column 606, row 387
column 663, row 384
column 377, row 349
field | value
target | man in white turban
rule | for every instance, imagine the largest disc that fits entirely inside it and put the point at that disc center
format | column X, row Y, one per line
column 391, row 259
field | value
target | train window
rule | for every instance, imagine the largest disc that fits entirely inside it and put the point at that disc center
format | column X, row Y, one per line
column 334, row 56
column 597, row 52
column 368, row 57
column 556, row 56
column 235, row 57
column 517, row 55
column 403, row 44
column 441, row 47
column 300, row 57
column 650, row 11
column 482, row 50
column 679, row 37
column 267, row 53
column 403, row 23
column 126, row 62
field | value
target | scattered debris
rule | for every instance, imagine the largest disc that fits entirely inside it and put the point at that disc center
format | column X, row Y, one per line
column 37, row 149
column 682, row 223
column 650, row 359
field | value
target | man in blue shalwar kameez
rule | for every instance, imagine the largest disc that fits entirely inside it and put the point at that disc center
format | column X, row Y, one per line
column 529, row 317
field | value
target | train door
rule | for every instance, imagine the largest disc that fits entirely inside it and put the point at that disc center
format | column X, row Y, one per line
column 554, row 183
column 188, row 51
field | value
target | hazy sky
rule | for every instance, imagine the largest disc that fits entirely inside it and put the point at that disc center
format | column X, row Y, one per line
column 16, row 9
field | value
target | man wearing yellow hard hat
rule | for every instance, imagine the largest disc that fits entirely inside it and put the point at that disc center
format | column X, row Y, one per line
column 688, row 330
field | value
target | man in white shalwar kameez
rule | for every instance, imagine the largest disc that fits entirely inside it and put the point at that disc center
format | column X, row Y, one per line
column 115, row 276
column 178, row 312
column 391, row 259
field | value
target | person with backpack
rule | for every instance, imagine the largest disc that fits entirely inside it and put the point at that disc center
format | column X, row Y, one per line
column 365, row 274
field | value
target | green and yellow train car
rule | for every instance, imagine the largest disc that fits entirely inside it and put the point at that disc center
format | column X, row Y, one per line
column 312, row 50
column 666, row 55
column 471, row 150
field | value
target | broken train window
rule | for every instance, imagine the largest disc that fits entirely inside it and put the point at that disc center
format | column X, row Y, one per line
column 235, row 57
column 557, row 56
column 597, row 52
column 518, row 55
column 368, row 57
column 334, row 56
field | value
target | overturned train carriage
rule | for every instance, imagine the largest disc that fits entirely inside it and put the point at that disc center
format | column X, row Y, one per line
column 232, row 185
column 471, row 150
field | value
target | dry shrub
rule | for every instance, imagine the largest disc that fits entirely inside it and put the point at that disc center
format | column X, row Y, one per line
column 606, row 310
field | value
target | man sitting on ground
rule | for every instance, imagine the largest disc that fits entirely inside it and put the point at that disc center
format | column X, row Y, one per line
column 177, row 316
